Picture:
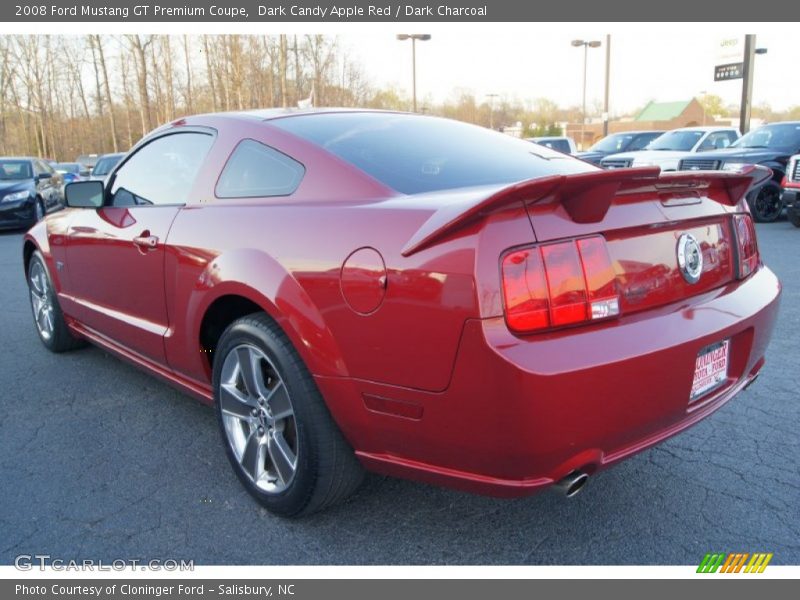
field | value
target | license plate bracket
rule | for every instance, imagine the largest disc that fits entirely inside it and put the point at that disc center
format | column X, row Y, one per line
column 710, row 369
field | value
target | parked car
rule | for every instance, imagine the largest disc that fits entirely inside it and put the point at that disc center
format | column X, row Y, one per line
column 667, row 150
column 628, row 141
column 559, row 143
column 88, row 160
column 418, row 296
column 771, row 146
column 791, row 190
column 29, row 188
column 105, row 164
column 71, row 171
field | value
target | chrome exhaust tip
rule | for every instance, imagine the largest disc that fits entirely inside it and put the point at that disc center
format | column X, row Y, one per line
column 573, row 483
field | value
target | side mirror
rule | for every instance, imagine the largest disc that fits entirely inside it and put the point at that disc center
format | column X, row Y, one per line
column 84, row 194
column 42, row 176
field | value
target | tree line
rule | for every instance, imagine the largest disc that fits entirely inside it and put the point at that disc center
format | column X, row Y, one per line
column 61, row 95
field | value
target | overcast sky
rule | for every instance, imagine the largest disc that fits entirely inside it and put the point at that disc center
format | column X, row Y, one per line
column 658, row 62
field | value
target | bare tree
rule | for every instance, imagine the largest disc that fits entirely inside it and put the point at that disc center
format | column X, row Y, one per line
column 139, row 45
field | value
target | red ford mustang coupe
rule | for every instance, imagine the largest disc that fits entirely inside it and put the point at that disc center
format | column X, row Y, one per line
column 410, row 295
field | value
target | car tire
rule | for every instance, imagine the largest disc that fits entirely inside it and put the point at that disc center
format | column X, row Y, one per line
column 38, row 210
column 47, row 315
column 277, row 431
column 793, row 215
column 765, row 203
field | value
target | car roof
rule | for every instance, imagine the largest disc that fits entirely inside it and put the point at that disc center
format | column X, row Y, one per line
column 705, row 128
column 111, row 154
column 268, row 114
column 19, row 158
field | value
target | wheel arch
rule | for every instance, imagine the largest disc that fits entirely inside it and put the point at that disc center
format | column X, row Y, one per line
column 28, row 248
column 271, row 289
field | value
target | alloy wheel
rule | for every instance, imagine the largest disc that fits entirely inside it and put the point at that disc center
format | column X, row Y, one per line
column 767, row 205
column 258, row 418
column 41, row 300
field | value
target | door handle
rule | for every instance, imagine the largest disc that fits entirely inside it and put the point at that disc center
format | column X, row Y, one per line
column 149, row 242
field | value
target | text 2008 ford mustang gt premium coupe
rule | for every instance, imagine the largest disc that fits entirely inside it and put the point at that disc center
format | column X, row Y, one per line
column 411, row 295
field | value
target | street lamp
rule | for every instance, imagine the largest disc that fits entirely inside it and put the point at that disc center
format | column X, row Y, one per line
column 491, row 98
column 422, row 37
column 586, row 45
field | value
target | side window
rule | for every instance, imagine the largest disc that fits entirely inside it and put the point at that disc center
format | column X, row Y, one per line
column 716, row 141
column 639, row 142
column 256, row 170
column 162, row 172
column 731, row 137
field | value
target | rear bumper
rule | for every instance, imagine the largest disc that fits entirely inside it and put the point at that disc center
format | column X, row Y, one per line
column 522, row 412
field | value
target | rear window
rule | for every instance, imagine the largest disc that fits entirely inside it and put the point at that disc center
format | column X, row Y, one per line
column 415, row 154
column 255, row 170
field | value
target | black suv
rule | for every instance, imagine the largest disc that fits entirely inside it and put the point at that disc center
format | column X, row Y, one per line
column 770, row 146
column 626, row 141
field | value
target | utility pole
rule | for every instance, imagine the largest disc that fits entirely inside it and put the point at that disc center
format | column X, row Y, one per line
column 747, row 82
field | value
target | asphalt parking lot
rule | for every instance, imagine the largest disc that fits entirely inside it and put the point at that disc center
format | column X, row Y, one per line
column 100, row 461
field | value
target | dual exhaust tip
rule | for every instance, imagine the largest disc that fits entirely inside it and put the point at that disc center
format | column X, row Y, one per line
column 572, row 484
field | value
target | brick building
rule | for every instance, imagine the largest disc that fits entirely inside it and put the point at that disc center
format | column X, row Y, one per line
column 655, row 116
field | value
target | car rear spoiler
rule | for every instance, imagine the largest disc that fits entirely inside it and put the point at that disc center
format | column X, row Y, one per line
column 586, row 197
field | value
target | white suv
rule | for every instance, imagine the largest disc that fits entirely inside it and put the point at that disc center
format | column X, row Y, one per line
column 667, row 150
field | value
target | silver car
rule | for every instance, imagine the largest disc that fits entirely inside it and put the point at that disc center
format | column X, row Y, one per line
column 105, row 164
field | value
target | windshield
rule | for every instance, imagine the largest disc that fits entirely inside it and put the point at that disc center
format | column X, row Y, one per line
column 104, row 165
column 68, row 168
column 785, row 135
column 613, row 143
column 682, row 141
column 414, row 154
column 16, row 169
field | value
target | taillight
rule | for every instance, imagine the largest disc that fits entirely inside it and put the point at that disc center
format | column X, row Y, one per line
column 559, row 284
column 747, row 248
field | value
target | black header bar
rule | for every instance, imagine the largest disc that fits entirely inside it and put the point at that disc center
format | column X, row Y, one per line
column 354, row 11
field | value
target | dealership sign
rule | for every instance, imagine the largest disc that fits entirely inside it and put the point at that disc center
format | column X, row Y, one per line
column 729, row 62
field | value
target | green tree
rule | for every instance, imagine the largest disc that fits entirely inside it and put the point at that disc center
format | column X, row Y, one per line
column 713, row 105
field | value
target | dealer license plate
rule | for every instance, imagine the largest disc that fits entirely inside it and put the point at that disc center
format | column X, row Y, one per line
column 710, row 369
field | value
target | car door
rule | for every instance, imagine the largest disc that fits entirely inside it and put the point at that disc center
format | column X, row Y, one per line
column 115, row 254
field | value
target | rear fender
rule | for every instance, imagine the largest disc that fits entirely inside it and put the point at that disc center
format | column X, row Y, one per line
column 273, row 288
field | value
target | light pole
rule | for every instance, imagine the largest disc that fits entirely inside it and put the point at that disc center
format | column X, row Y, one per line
column 750, row 52
column 422, row 37
column 586, row 45
column 491, row 98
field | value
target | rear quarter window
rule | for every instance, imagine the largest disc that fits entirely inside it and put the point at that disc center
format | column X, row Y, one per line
column 255, row 170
